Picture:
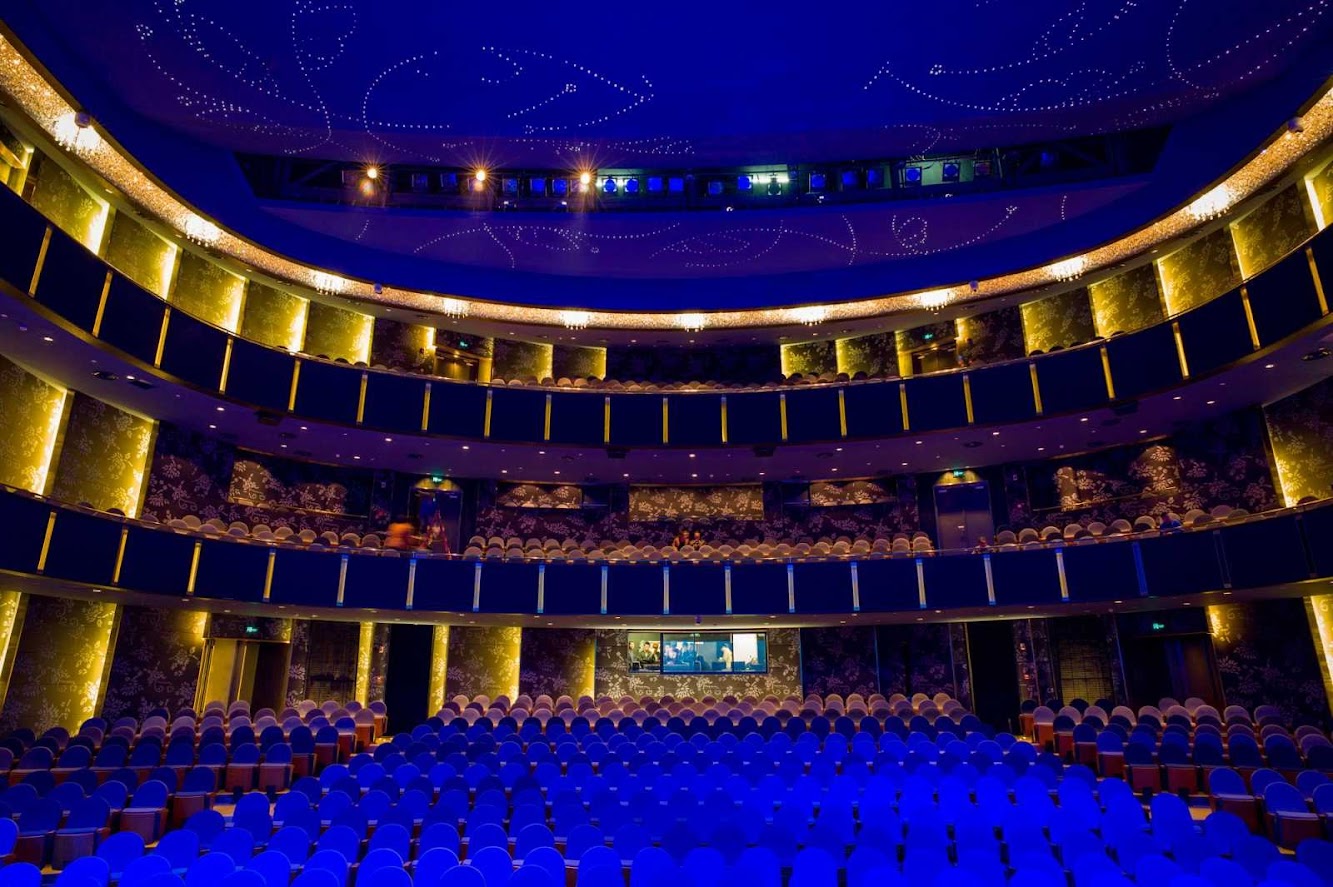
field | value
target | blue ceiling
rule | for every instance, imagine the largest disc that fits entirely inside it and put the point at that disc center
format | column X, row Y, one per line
column 687, row 81
column 183, row 84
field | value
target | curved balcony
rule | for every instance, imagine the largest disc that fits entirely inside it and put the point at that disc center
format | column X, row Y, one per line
column 87, row 297
column 74, row 545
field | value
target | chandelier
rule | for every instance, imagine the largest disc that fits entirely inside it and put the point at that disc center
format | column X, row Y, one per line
column 691, row 322
column 74, row 131
column 1068, row 269
column 935, row 299
column 810, row 315
column 201, row 231
column 1212, row 204
column 327, row 283
column 575, row 320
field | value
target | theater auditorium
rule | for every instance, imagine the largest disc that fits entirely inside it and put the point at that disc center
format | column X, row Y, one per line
column 671, row 446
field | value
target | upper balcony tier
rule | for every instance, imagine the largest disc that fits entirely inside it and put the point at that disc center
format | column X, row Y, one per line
column 83, row 294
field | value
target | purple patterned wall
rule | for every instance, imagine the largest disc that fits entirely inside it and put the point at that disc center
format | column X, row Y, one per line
column 557, row 662
column 1266, row 656
column 839, row 660
column 156, row 661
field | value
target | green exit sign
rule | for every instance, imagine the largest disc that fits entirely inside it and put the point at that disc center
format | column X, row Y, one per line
column 252, row 629
column 1159, row 626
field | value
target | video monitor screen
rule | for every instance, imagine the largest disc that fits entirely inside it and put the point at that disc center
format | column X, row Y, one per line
column 698, row 652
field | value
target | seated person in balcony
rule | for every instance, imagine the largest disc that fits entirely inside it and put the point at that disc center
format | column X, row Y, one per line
column 681, row 539
column 982, row 545
column 1170, row 523
column 697, row 540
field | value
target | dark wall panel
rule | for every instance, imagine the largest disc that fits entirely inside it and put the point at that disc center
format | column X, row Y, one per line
column 578, row 419
column 394, row 403
column 1002, row 393
column 754, row 418
column 517, row 414
column 328, row 391
column 132, row 320
column 1144, row 361
column 260, row 376
column 813, row 414
column 72, row 278
column 936, row 402
column 194, row 351
column 1283, row 299
column 874, row 409
column 1215, row 334
column 636, row 420
column 694, row 420
column 1070, row 381
column 457, row 409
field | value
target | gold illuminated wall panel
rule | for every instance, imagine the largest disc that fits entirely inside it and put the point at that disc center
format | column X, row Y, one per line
column 60, row 668
column 335, row 333
column 103, row 457
column 1319, row 186
column 273, row 317
column 31, row 415
column 365, row 650
column 1319, row 610
column 55, row 194
column 577, row 362
column 484, row 660
column 809, row 358
column 12, row 608
column 139, row 254
column 1276, row 227
column 439, row 669
column 1300, row 434
column 1058, row 321
column 1199, row 272
column 521, row 360
column 208, row 291
column 1127, row 302
column 874, row 355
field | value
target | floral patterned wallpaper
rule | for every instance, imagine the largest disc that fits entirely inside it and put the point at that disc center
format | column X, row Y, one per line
column 30, row 418
column 919, row 658
column 156, row 661
column 258, row 480
column 849, row 492
column 484, row 660
column 994, row 336
column 139, row 254
column 60, row 668
column 103, row 457
column 671, row 503
column 1032, row 651
column 736, row 363
column 404, row 346
column 874, row 355
column 337, row 333
column 1300, row 430
column 1127, row 302
column 558, row 662
column 783, row 679
column 1200, row 272
column 273, row 317
column 54, row 193
column 1275, row 228
column 193, row 475
column 1221, row 463
column 1321, row 183
column 547, row 524
column 521, row 360
column 559, row 496
column 578, row 362
column 208, row 291
column 298, row 670
column 840, row 660
column 1058, row 321
column 439, row 669
column 809, row 358
column 13, row 607
column 1266, row 656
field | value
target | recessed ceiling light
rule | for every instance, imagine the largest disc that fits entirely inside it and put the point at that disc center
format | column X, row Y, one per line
column 47, row 339
column 557, row 471
column 1211, row 402
column 356, row 457
column 466, row 447
column 504, row 470
column 303, row 428
column 1268, row 366
column 1084, row 419
column 1177, row 397
column 222, row 409
column 388, row 440
column 1041, row 449
column 212, row 426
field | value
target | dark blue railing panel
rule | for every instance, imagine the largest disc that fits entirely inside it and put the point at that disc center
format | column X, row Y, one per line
column 1215, row 334
column 754, row 418
column 457, row 409
column 1283, row 299
column 24, row 521
column 1181, row 563
column 1265, row 552
column 71, row 280
column 759, row 589
column 376, row 582
column 132, row 320
column 444, row 585
column 23, row 229
column 1026, row 578
column 194, row 351
column 571, row 589
column 698, row 589
column 157, row 561
column 232, row 571
column 634, row 590
column 260, row 376
column 509, row 588
column 955, row 582
column 578, row 419
column 695, row 420
column 328, row 391
column 935, row 402
column 824, row 587
column 305, row 578
column 874, row 409
column 517, row 414
column 1104, row 572
column 636, row 420
column 395, row 403
column 1002, row 393
column 889, row 585
column 813, row 414
column 1071, row 380
column 83, row 548
column 1144, row 361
